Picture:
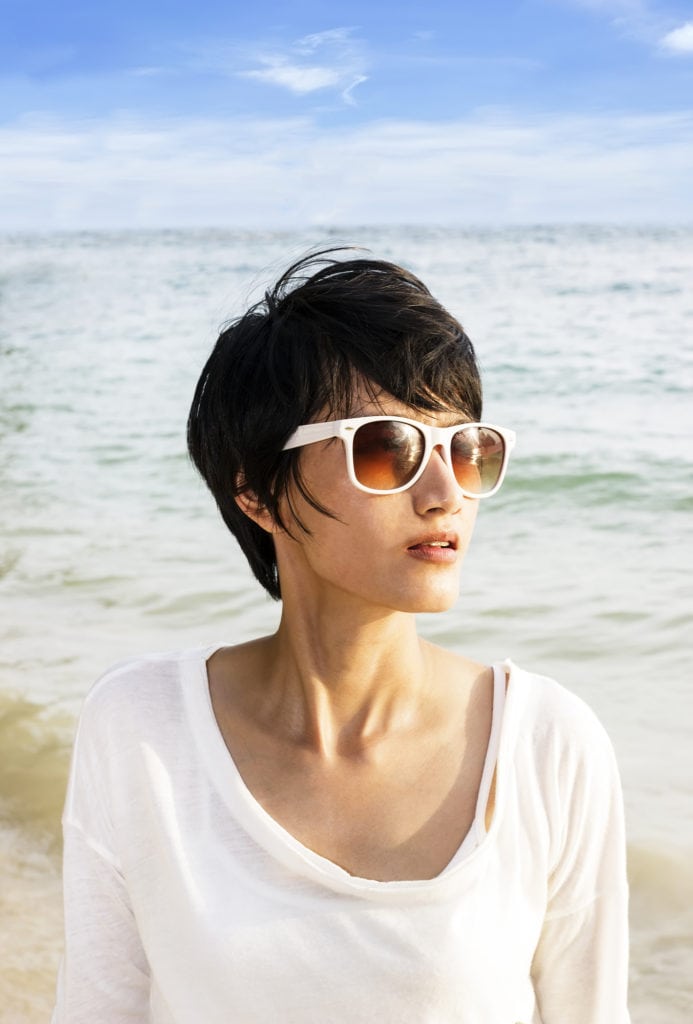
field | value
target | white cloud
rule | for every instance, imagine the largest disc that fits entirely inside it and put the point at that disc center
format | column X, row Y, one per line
column 609, row 6
column 148, row 72
column 297, row 79
column 346, row 93
column 340, row 37
column 488, row 169
column 680, row 40
column 323, row 60
column 620, row 10
column 644, row 20
column 641, row 20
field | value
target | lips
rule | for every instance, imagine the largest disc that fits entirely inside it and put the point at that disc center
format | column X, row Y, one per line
column 435, row 541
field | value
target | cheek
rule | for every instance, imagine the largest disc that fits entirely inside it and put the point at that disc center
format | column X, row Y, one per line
column 323, row 543
column 323, row 476
column 471, row 511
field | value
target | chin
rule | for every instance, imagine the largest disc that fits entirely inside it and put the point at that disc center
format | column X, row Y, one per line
column 441, row 605
column 429, row 603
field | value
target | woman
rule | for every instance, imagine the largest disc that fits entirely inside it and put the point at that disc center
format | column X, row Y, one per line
column 342, row 822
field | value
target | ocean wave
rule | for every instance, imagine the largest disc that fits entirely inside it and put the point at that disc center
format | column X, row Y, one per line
column 661, row 880
column 661, row 876
column 35, row 743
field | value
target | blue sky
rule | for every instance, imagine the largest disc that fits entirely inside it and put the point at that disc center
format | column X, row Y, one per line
column 274, row 114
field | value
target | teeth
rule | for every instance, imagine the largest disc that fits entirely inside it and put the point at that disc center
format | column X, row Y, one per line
column 438, row 544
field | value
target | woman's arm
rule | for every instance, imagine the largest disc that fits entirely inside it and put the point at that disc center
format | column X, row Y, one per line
column 104, row 974
column 580, row 968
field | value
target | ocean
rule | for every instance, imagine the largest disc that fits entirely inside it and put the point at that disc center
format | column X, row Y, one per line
column 580, row 568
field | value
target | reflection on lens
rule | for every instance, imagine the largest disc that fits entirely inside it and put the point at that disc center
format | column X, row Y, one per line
column 477, row 458
column 387, row 454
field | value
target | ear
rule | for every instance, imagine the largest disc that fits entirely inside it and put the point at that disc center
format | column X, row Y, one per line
column 251, row 506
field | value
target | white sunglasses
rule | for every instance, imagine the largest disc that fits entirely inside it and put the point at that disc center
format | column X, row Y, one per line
column 388, row 454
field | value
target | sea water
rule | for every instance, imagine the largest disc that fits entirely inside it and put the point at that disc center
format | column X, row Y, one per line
column 580, row 567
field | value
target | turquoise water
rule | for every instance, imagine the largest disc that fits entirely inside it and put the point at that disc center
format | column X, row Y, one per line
column 580, row 568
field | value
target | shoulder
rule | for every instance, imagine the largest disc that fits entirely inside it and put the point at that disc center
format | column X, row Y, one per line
column 551, row 706
column 140, row 708
column 554, row 726
column 145, row 689
column 559, row 764
column 134, row 716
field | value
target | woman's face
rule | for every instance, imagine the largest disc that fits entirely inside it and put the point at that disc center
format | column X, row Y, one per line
column 400, row 552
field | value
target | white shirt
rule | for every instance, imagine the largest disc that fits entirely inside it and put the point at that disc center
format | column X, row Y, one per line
column 186, row 903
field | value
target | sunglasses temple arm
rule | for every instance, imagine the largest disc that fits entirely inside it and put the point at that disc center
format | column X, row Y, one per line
column 309, row 433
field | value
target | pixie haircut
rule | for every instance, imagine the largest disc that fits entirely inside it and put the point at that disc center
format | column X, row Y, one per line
column 331, row 325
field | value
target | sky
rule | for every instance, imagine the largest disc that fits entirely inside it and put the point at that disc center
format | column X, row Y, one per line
column 272, row 114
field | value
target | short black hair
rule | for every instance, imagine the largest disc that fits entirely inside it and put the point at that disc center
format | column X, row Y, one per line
column 329, row 323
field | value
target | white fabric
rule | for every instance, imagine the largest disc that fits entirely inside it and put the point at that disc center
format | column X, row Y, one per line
column 186, row 903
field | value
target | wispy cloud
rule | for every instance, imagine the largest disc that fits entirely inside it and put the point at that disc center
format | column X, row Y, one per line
column 148, row 72
column 613, row 7
column 618, row 11
column 323, row 60
column 491, row 168
column 278, row 71
column 643, row 20
column 679, row 40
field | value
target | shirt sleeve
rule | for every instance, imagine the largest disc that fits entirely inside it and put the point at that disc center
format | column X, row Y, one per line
column 580, row 967
column 104, row 974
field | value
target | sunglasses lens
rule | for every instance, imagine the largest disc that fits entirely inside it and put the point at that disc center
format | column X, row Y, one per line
column 387, row 454
column 477, row 458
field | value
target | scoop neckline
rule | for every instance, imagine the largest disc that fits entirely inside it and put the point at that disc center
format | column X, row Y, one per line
column 289, row 851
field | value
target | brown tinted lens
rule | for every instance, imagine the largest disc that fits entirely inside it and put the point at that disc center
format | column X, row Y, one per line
column 477, row 458
column 387, row 454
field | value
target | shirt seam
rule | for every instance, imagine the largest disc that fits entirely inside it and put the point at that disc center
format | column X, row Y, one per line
column 553, row 915
column 102, row 851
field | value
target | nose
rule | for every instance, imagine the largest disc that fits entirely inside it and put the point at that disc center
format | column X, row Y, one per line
column 437, row 489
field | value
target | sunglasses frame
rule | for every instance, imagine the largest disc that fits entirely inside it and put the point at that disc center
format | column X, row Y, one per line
column 434, row 437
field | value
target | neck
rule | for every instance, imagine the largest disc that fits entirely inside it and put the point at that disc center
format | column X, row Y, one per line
column 339, row 682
